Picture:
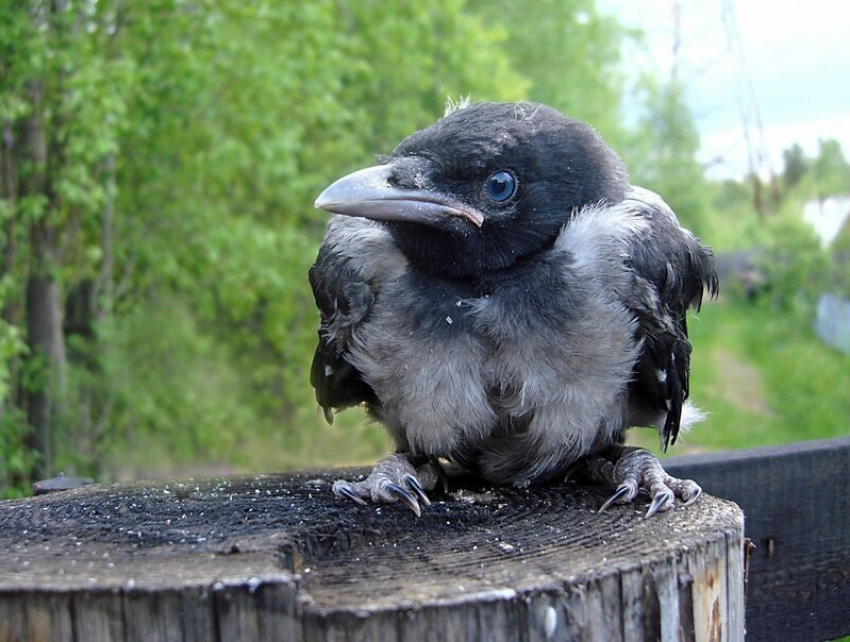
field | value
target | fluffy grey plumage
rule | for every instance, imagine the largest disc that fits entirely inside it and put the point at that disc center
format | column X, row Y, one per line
column 498, row 295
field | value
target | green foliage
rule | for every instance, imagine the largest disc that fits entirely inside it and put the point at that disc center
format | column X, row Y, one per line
column 822, row 176
column 796, row 165
column 831, row 170
column 250, row 136
column 183, row 147
column 162, row 169
column 733, row 223
column 16, row 458
column 803, row 382
column 795, row 265
column 764, row 378
column 11, row 343
column 569, row 52
column 840, row 253
column 662, row 153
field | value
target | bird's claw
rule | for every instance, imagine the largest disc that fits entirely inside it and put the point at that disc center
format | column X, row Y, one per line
column 393, row 479
column 634, row 470
column 661, row 501
column 404, row 497
column 617, row 497
column 416, row 487
column 342, row 488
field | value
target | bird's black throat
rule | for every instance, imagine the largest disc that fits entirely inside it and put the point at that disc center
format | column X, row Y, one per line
column 474, row 261
column 469, row 255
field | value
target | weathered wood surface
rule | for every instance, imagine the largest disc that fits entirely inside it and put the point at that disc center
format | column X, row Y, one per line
column 796, row 499
column 278, row 557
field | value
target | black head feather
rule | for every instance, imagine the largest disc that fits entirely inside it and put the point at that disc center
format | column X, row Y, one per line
column 559, row 164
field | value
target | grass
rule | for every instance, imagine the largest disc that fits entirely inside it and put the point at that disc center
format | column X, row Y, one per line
column 764, row 378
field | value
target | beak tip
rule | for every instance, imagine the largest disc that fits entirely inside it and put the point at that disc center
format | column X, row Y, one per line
column 321, row 201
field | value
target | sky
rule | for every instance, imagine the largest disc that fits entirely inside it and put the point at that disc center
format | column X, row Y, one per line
column 787, row 62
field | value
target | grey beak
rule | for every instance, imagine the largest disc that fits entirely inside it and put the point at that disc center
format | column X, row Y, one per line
column 367, row 193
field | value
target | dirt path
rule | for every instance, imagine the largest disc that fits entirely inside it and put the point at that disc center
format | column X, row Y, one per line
column 739, row 382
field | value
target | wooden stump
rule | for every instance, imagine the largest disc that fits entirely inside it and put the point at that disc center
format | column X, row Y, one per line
column 278, row 557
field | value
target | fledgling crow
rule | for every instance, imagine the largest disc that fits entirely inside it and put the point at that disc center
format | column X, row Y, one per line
column 498, row 295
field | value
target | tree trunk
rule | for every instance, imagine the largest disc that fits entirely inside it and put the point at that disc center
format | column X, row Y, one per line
column 11, row 308
column 7, row 193
column 42, row 401
column 106, row 284
column 279, row 557
column 46, row 341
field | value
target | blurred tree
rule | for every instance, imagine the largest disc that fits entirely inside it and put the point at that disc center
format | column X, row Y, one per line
column 831, row 170
column 841, row 259
column 663, row 152
column 731, row 194
column 795, row 265
column 159, row 161
column 795, row 165
column 571, row 54
column 58, row 100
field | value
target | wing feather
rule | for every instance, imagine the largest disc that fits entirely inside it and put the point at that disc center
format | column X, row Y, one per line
column 344, row 299
column 671, row 272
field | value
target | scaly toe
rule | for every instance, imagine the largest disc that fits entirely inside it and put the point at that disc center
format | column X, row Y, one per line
column 637, row 470
column 344, row 489
column 623, row 495
column 689, row 491
column 393, row 479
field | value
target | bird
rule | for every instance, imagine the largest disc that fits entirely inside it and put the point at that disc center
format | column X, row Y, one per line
column 498, row 295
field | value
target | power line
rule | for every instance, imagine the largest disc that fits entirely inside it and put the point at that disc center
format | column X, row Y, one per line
column 756, row 141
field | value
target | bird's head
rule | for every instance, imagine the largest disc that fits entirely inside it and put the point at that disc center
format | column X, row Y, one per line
column 482, row 188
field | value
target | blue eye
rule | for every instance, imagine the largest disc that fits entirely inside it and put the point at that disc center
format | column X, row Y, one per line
column 500, row 186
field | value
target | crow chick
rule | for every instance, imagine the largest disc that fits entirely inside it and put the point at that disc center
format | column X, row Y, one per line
column 498, row 295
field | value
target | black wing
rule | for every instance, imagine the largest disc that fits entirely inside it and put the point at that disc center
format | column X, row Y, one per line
column 344, row 299
column 671, row 272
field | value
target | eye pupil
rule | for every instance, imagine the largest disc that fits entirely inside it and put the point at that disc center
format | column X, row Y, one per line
column 500, row 186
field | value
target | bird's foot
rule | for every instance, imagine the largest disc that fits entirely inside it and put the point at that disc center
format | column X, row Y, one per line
column 394, row 479
column 632, row 470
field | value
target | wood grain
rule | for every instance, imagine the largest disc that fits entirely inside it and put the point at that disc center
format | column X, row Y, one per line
column 275, row 557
